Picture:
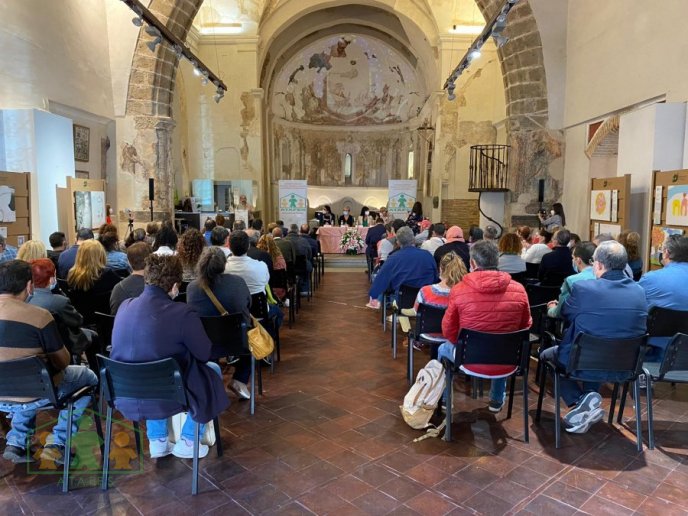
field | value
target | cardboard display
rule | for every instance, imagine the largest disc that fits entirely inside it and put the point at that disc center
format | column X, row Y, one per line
column 65, row 203
column 20, row 182
column 622, row 197
column 670, row 181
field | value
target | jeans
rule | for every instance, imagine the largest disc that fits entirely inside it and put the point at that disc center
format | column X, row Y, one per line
column 498, row 385
column 157, row 428
column 570, row 390
column 24, row 414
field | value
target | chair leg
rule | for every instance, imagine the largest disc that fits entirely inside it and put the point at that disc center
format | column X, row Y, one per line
column 253, row 385
column 638, row 418
column 218, row 441
column 97, row 422
column 106, row 455
column 541, row 394
column 650, row 414
column 622, row 403
column 612, row 406
column 394, row 335
column 512, row 388
column 68, row 449
column 197, row 442
column 449, row 398
column 557, row 422
column 259, row 367
column 384, row 313
column 526, row 436
column 137, row 438
column 409, row 364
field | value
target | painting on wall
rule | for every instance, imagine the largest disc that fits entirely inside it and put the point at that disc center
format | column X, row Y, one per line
column 600, row 204
column 82, row 135
column 7, row 207
column 659, row 236
column 677, row 205
column 82, row 174
column 89, row 209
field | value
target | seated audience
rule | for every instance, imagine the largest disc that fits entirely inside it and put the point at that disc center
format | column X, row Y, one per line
column 32, row 250
column 575, row 240
column 219, row 237
column 256, row 229
column 510, row 254
column 385, row 216
column 436, row 240
column 239, row 225
column 220, row 221
column 631, row 242
column 138, row 235
column 152, row 229
column 539, row 248
column 415, row 217
column 26, row 331
column 612, row 307
column 475, row 234
column 116, row 259
column 7, row 252
column 209, row 226
column 665, row 287
column 67, row 258
column 485, row 300
column 425, row 232
column 169, row 330
column 310, row 240
column 524, row 234
column 189, row 249
column 582, row 266
column 259, row 254
column 280, row 224
column 285, row 246
column 58, row 242
column 232, row 293
column 407, row 266
column 455, row 243
column 165, row 240
column 452, row 270
column 491, row 233
column 555, row 267
column 131, row 286
column 374, row 235
column 389, row 244
column 91, row 280
column 304, row 251
column 267, row 245
column 346, row 219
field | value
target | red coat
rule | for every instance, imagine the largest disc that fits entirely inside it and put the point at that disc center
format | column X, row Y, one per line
column 487, row 301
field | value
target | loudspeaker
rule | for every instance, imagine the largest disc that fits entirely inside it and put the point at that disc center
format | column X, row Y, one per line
column 151, row 189
column 541, row 190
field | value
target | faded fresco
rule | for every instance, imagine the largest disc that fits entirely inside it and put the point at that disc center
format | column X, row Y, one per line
column 347, row 80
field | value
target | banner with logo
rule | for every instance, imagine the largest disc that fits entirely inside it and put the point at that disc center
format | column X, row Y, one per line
column 402, row 196
column 293, row 205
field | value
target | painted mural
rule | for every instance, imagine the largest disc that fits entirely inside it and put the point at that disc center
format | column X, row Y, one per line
column 347, row 80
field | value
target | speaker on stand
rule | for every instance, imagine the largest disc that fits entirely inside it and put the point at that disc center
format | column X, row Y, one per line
column 151, row 194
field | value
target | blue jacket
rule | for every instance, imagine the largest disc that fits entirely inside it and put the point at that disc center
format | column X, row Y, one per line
column 408, row 266
column 611, row 306
column 666, row 288
column 66, row 261
column 555, row 266
column 374, row 235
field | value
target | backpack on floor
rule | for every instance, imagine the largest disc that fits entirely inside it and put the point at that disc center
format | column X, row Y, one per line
column 421, row 400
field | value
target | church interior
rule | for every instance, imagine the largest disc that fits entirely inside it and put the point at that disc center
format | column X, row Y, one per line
column 493, row 110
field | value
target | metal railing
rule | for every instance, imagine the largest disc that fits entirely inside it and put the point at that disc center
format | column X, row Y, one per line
column 489, row 168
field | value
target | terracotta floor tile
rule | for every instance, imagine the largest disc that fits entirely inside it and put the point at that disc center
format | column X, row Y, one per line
column 568, row 494
column 401, row 488
column 429, row 503
column 376, row 502
column 484, row 502
column 320, row 504
column 542, row 504
column 583, row 480
column 509, row 491
column 456, row 489
column 348, row 487
column 621, row 495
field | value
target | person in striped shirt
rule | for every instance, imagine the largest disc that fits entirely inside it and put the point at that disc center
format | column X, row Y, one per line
column 452, row 269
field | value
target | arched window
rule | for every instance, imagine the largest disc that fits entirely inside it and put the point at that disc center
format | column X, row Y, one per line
column 348, row 168
column 410, row 165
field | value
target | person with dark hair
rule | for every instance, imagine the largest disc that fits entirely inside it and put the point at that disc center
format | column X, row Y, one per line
column 58, row 242
column 232, row 293
column 257, row 253
column 219, row 237
column 436, row 239
column 285, row 246
column 303, row 250
column 25, row 331
column 131, row 286
column 209, row 225
column 631, row 242
column 374, row 235
column 173, row 330
column 328, row 217
column 575, row 240
column 165, row 240
column 68, row 256
column 364, row 218
column 415, row 217
column 582, row 265
column 152, row 229
column 220, row 220
column 346, row 219
column 389, row 244
column 613, row 306
column 253, row 272
column 256, row 229
column 189, row 249
column 490, row 233
column 556, row 218
column 455, row 243
column 524, row 234
column 555, row 267
column 116, row 259
column 475, row 234
column 485, row 300
column 239, row 225
column 539, row 248
column 138, row 235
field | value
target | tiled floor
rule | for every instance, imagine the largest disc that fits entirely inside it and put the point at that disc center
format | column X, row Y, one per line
column 327, row 437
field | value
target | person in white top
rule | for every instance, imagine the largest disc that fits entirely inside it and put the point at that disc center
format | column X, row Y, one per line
column 254, row 273
column 165, row 240
column 537, row 251
column 437, row 240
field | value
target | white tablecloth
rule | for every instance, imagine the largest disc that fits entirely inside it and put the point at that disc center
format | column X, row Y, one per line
column 331, row 236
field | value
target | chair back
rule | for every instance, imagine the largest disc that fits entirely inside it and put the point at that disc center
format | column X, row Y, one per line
column 160, row 380
column 300, row 267
column 259, row 305
column 26, row 378
column 429, row 319
column 554, row 279
column 477, row 348
column 676, row 356
column 541, row 294
column 406, row 296
column 519, row 277
column 662, row 322
column 181, row 298
column 63, row 286
column 532, row 269
column 88, row 305
column 104, row 325
column 279, row 279
column 183, row 286
column 622, row 358
column 228, row 334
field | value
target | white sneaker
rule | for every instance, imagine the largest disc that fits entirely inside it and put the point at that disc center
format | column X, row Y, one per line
column 159, row 448
column 286, row 302
column 587, row 420
column 184, row 449
column 240, row 389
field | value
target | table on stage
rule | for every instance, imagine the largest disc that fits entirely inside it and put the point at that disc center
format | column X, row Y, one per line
column 330, row 236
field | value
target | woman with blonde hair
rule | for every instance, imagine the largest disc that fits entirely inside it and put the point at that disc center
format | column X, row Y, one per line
column 91, row 280
column 267, row 243
column 32, row 250
column 452, row 271
column 631, row 242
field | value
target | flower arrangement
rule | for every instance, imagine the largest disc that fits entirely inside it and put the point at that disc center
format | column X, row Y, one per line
column 351, row 242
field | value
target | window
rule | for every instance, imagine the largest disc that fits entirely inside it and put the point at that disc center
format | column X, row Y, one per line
column 410, row 165
column 348, row 167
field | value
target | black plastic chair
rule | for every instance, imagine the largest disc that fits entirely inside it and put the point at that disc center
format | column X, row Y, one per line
column 619, row 359
column 405, row 299
column 181, row 298
column 88, row 305
column 476, row 349
column 301, row 272
column 260, row 310
column 428, row 330
column 280, row 279
column 541, row 294
column 63, row 286
column 104, row 325
column 532, row 270
column 520, row 277
column 160, row 380
column 29, row 378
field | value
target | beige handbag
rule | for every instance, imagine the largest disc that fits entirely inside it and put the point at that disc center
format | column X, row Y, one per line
column 260, row 341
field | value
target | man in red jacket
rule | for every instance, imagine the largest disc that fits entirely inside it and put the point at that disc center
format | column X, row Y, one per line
column 485, row 300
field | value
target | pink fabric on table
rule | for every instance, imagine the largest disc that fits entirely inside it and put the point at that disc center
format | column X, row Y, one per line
column 330, row 237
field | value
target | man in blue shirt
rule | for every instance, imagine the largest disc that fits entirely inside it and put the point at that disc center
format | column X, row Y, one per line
column 68, row 257
column 7, row 252
column 407, row 266
column 612, row 306
column 666, row 287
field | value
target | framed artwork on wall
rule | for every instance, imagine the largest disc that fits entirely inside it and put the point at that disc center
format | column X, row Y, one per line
column 677, row 205
column 82, row 174
column 82, row 135
column 601, row 205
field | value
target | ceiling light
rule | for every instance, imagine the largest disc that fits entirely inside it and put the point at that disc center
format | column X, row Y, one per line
column 450, row 90
column 468, row 30
column 197, row 71
column 474, row 54
column 221, row 29
column 157, row 37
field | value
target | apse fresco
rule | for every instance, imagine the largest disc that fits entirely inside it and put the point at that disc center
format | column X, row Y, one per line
column 347, row 80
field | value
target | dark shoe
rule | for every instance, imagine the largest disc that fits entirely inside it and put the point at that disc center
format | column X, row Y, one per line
column 17, row 455
column 54, row 453
column 495, row 406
